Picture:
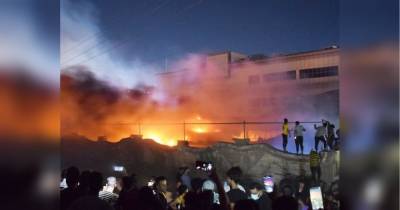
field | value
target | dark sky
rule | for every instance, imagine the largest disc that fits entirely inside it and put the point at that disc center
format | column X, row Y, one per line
column 154, row 29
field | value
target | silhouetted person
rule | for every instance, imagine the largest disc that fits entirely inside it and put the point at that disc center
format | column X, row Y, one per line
column 298, row 137
column 147, row 200
column 70, row 194
column 233, row 177
column 258, row 194
column 315, row 166
column 84, row 180
column 160, row 187
column 320, row 135
column 92, row 200
column 330, row 135
column 196, row 183
column 128, row 196
column 199, row 201
column 302, row 192
column 247, row 204
column 285, row 133
column 286, row 201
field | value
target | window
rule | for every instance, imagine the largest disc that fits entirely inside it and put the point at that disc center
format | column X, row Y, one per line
column 288, row 75
column 319, row 72
column 254, row 79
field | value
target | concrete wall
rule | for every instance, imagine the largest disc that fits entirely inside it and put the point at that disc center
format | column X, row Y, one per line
column 147, row 158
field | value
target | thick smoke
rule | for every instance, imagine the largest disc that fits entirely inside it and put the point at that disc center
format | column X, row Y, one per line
column 104, row 96
column 192, row 94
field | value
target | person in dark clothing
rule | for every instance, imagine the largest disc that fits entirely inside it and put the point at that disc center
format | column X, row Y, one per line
column 320, row 135
column 147, row 200
column 286, row 201
column 92, row 200
column 258, row 194
column 128, row 196
column 71, row 193
column 302, row 192
column 330, row 135
column 235, row 194
column 247, row 204
column 196, row 184
column 199, row 201
column 160, row 187
column 84, row 180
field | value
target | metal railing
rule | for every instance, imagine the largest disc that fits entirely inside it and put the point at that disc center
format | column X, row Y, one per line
column 184, row 125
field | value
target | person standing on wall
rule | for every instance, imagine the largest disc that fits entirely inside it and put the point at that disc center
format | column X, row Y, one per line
column 331, row 135
column 320, row 134
column 285, row 133
column 298, row 137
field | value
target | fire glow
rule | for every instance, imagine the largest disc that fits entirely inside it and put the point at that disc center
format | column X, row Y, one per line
column 192, row 106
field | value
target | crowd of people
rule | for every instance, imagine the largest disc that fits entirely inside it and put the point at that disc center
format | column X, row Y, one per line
column 324, row 133
column 87, row 190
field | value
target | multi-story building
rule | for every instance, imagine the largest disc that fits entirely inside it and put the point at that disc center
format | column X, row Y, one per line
column 301, row 86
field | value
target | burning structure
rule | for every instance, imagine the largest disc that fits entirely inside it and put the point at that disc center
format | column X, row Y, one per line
column 206, row 99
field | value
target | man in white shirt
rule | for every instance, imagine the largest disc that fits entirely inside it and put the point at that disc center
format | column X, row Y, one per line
column 298, row 136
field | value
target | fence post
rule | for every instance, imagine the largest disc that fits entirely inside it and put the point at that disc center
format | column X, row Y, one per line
column 244, row 130
column 184, row 131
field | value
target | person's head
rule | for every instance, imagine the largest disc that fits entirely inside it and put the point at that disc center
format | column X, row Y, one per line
column 287, row 191
column 96, row 182
column 297, row 123
column 112, row 181
column 72, row 176
column 246, row 205
column 233, row 176
column 301, row 184
column 256, row 190
column 285, row 120
column 84, row 179
column 182, row 189
column 161, row 184
column 208, row 185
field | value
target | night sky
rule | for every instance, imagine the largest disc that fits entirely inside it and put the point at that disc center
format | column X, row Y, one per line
column 153, row 30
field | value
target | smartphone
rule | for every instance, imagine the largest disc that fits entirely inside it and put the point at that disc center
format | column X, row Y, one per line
column 150, row 183
column 268, row 184
column 118, row 168
column 204, row 165
column 316, row 198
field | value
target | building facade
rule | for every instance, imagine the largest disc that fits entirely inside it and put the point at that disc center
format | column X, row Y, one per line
column 302, row 86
